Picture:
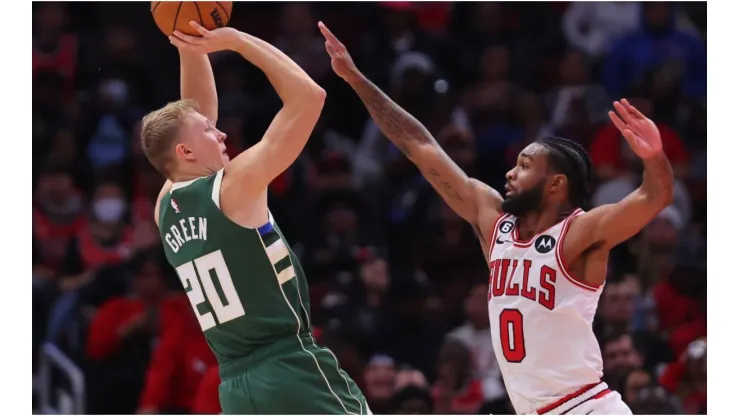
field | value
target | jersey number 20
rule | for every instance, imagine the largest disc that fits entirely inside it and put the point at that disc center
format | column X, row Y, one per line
column 224, row 311
column 511, row 332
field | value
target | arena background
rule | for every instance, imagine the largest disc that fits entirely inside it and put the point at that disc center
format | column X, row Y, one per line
column 397, row 280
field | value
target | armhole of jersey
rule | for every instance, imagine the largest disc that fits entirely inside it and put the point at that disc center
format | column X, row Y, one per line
column 561, row 259
column 216, row 192
column 161, row 208
column 500, row 218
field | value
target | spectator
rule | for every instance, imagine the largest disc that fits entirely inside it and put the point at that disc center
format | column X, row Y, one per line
column 688, row 378
column 178, row 365
column 300, row 40
column 577, row 105
column 379, row 384
column 457, row 390
column 475, row 334
column 592, row 27
column 58, row 214
column 121, row 336
column 53, row 48
column 620, row 357
column 611, row 156
column 659, row 46
column 635, row 382
column 655, row 401
column 106, row 239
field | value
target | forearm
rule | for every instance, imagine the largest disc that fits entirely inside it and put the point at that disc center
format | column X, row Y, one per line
column 400, row 127
column 657, row 180
column 197, row 83
column 415, row 141
column 291, row 82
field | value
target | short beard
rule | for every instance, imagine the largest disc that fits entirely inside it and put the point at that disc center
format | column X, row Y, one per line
column 525, row 202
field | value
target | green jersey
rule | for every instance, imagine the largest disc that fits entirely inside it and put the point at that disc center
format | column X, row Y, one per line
column 245, row 284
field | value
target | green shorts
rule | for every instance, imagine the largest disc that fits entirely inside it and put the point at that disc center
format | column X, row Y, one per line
column 289, row 377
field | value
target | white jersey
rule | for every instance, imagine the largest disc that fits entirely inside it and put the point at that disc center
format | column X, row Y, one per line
column 541, row 321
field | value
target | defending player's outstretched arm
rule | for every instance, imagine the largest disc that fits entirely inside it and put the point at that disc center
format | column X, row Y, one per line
column 465, row 195
column 608, row 225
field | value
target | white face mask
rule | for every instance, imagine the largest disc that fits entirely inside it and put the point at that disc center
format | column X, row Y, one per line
column 109, row 209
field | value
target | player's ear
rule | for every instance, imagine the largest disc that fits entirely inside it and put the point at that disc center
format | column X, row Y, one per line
column 183, row 151
column 558, row 182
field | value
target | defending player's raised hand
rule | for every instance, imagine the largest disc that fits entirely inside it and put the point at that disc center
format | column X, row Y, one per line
column 209, row 41
column 640, row 132
column 341, row 61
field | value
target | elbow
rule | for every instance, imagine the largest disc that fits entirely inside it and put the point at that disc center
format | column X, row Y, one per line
column 316, row 95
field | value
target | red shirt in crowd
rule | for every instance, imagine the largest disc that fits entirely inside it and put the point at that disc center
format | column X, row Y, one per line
column 687, row 333
column 206, row 400
column 104, row 339
column 673, row 308
column 466, row 401
column 178, row 366
column 54, row 236
column 94, row 254
column 606, row 148
column 694, row 401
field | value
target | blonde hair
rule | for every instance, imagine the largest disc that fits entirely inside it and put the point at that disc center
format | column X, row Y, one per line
column 159, row 130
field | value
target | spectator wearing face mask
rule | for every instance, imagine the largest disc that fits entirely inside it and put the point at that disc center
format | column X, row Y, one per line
column 106, row 239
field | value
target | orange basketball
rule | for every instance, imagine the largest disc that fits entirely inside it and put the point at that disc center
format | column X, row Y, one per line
column 176, row 15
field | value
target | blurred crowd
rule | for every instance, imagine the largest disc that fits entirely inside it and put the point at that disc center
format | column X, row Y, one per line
column 397, row 281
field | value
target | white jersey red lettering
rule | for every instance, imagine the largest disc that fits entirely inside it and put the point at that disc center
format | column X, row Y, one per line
column 541, row 320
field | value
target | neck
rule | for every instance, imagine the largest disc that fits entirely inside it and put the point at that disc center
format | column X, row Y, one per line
column 537, row 222
column 190, row 174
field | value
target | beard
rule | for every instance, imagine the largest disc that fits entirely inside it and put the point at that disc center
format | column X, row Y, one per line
column 525, row 202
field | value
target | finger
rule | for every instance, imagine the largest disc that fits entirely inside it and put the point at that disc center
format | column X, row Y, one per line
column 617, row 121
column 180, row 44
column 329, row 48
column 623, row 113
column 632, row 110
column 193, row 40
column 328, row 35
column 203, row 31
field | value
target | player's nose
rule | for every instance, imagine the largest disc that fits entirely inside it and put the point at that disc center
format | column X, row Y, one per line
column 510, row 175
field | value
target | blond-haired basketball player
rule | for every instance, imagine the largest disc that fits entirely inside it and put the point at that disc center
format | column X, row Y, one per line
column 246, row 287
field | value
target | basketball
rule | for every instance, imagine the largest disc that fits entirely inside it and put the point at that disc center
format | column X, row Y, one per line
column 176, row 15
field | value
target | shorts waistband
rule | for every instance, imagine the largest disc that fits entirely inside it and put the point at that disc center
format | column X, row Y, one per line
column 577, row 398
column 240, row 365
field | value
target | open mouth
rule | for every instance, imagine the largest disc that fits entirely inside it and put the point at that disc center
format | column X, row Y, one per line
column 509, row 190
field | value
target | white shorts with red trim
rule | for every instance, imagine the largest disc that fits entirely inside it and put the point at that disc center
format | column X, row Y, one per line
column 591, row 400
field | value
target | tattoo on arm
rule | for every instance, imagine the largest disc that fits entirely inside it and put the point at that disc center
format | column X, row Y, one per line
column 398, row 125
column 407, row 133
column 447, row 188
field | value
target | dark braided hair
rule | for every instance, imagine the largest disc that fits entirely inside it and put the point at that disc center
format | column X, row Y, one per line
column 572, row 160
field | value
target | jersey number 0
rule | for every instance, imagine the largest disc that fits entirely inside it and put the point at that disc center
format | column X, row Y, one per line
column 225, row 311
column 511, row 332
